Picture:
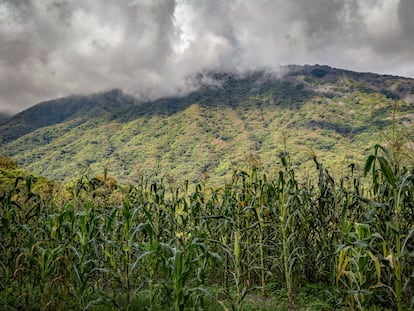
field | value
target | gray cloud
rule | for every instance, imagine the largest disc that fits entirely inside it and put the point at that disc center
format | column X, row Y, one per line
column 53, row 48
column 406, row 18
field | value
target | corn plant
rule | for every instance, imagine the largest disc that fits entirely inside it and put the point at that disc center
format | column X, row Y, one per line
column 358, row 264
column 83, row 262
column 390, row 188
column 286, row 195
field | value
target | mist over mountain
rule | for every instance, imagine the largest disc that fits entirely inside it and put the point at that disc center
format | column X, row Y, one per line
column 229, row 119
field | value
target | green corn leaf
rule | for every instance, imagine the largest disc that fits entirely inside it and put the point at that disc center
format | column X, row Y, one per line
column 387, row 171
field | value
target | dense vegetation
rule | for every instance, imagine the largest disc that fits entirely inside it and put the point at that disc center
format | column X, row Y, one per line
column 339, row 241
column 205, row 135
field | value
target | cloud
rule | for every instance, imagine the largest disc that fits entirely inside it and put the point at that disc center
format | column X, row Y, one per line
column 54, row 48
column 406, row 18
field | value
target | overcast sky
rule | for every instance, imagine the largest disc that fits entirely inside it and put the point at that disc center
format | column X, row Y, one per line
column 54, row 48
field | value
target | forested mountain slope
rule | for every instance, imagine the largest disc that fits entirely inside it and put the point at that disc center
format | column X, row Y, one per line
column 338, row 114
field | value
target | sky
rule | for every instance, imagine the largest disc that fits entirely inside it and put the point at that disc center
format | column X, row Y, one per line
column 153, row 48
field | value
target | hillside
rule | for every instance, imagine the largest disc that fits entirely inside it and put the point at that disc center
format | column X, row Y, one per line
column 338, row 114
column 3, row 117
column 73, row 110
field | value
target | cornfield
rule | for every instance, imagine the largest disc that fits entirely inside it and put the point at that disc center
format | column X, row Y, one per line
column 158, row 246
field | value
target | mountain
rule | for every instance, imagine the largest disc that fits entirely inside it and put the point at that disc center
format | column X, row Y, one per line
column 73, row 109
column 230, row 120
column 3, row 117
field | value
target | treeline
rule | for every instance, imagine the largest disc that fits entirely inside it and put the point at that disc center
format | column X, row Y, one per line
column 156, row 246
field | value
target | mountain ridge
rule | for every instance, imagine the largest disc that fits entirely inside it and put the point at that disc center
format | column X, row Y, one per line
column 210, row 131
column 4, row 117
column 64, row 109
